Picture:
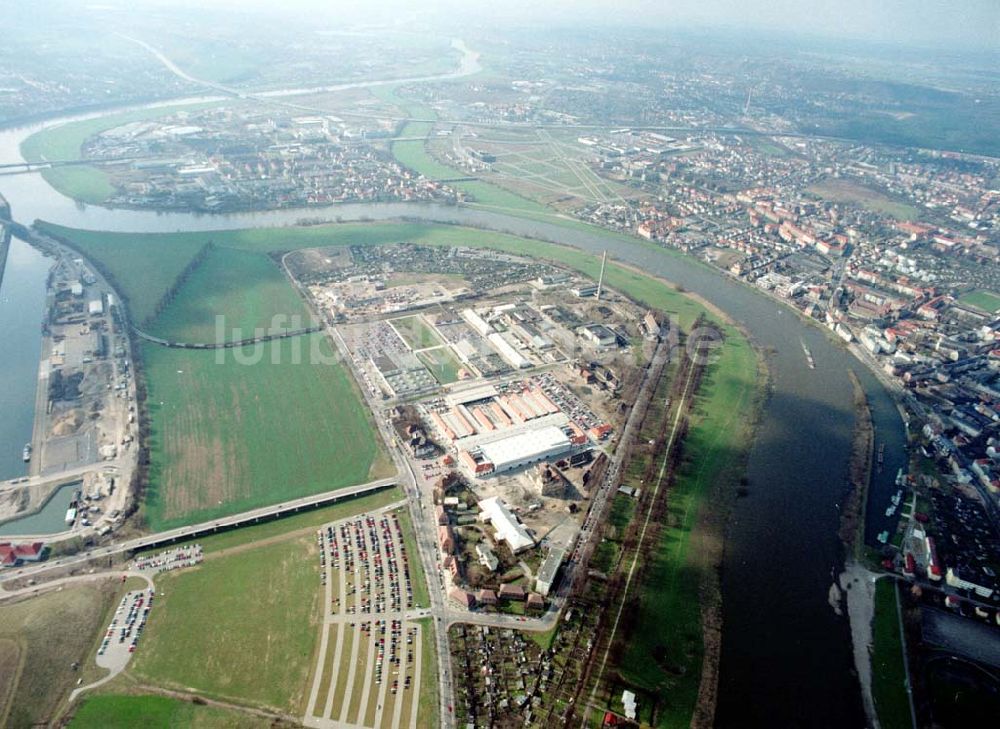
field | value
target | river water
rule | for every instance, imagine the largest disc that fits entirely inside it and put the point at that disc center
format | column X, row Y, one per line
column 22, row 305
column 786, row 656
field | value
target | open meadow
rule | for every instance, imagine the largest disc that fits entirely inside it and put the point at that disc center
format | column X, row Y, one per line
column 846, row 191
column 40, row 640
column 117, row 711
column 230, row 437
column 241, row 626
column 247, row 289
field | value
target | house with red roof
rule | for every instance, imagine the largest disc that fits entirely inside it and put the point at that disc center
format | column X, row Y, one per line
column 14, row 555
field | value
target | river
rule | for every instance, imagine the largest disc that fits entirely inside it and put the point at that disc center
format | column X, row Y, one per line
column 22, row 306
column 786, row 656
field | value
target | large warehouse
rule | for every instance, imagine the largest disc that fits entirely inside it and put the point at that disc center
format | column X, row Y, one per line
column 525, row 448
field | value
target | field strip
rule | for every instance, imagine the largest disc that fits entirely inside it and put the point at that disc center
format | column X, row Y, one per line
column 366, row 680
column 418, row 654
column 359, row 655
column 682, row 544
column 343, row 677
column 320, row 670
column 681, row 405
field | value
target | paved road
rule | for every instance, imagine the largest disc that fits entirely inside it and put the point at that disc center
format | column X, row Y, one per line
column 181, row 533
column 580, row 556
column 425, row 533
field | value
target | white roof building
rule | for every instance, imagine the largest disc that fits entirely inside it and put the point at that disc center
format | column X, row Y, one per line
column 508, row 528
column 525, row 448
column 514, row 358
column 628, row 701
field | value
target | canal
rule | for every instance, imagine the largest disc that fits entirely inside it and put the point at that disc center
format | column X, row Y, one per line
column 786, row 655
column 50, row 519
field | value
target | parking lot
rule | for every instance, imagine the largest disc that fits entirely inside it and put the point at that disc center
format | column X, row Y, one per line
column 368, row 670
column 122, row 636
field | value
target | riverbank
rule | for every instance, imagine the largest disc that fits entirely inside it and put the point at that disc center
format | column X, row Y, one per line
column 708, row 538
column 857, row 584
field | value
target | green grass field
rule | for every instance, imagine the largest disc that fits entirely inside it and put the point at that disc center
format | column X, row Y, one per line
column 115, row 711
column 888, row 672
column 983, row 300
column 667, row 660
column 40, row 638
column 231, row 437
column 247, row 289
column 241, row 626
column 417, row 578
column 415, row 332
column 847, row 191
column 427, row 716
column 442, row 363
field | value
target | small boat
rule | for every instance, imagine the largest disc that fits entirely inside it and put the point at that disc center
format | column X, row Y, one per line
column 26, row 453
column 883, row 536
column 809, row 358
column 891, row 510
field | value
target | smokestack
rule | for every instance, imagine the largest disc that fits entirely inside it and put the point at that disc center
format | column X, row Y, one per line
column 600, row 281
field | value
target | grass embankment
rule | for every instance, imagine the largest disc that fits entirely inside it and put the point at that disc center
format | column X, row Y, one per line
column 115, row 711
column 64, row 143
column 230, row 437
column 40, row 639
column 888, row 672
column 240, row 627
column 666, row 663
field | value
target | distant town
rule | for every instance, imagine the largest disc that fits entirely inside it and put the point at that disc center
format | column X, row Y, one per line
column 374, row 374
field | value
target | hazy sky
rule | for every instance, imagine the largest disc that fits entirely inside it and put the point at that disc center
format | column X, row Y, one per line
column 959, row 22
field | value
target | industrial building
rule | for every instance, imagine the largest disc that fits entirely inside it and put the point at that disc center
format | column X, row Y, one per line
column 516, row 451
column 507, row 526
column 547, row 572
column 507, row 350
